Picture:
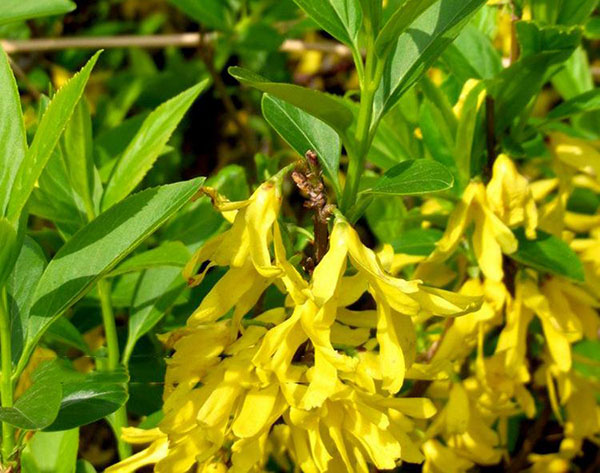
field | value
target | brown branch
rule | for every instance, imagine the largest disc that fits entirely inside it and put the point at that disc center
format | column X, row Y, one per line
column 309, row 180
column 207, row 54
column 181, row 40
column 533, row 436
column 418, row 389
column 490, row 123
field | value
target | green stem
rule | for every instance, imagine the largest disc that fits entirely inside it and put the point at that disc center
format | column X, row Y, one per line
column 364, row 128
column 119, row 418
column 6, row 388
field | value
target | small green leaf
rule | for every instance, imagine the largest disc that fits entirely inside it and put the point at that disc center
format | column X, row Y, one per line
column 51, row 126
column 77, row 149
column 586, row 358
column 418, row 241
column 473, row 55
column 13, row 143
column 63, row 331
column 8, row 248
column 156, row 292
column 340, row 18
column 327, row 108
column 20, row 286
column 415, row 177
column 303, row 132
column 171, row 253
column 84, row 466
column 147, row 145
column 37, row 408
column 548, row 254
column 398, row 23
column 51, row 452
column 586, row 102
column 372, row 11
column 97, row 248
column 88, row 397
column 420, row 46
column 21, row 10
column 210, row 13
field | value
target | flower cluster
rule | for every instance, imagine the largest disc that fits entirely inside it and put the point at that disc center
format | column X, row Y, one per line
column 315, row 381
column 330, row 379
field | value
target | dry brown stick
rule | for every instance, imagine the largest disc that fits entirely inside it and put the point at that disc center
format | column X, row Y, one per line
column 533, row 436
column 207, row 54
column 20, row 74
column 182, row 40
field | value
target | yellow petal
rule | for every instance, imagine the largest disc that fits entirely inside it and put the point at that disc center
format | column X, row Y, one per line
column 328, row 272
column 393, row 366
column 150, row 456
column 256, row 411
column 457, row 410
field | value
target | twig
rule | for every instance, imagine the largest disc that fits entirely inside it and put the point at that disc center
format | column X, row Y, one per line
column 419, row 388
column 207, row 54
column 490, row 123
column 20, row 73
column 308, row 178
column 182, row 40
column 533, row 436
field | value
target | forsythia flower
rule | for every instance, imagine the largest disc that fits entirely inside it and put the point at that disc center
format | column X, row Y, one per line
column 507, row 202
column 325, row 370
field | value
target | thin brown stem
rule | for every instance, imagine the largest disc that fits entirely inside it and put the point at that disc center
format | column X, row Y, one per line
column 533, row 436
column 181, row 40
column 248, row 138
column 21, row 75
column 490, row 123
column 418, row 389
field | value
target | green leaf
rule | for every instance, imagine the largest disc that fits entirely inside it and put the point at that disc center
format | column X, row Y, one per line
column 548, row 254
column 37, row 408
column 157, row 291
column 303, row 132
column 20, row 286
column 586, row 358
column 516, row 86
column 86, row 398
column 327, row 108
column 398, row 23
column 51, row 452
column 535, row 39
column 147, row 144
column 8, row 248
column 465, row 135
column 13, row 143
column 63, row 331
column 342, row 19
column 372, row 11
column 586, row 102
column 48, row 133
column 84, row 466
column 385, row 216
column 20, row 10
column 417, row 241
column 472, row 55
column 210, row 13
column 77, row 149
column 419, row 47
column 172, row 253
column 54, row 197
column 415, row 177
column 97, row 248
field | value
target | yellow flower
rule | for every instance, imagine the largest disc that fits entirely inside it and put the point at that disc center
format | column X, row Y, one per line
column 491, row 236
column 329, row 372
column 510, row 198
column 245, row 249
